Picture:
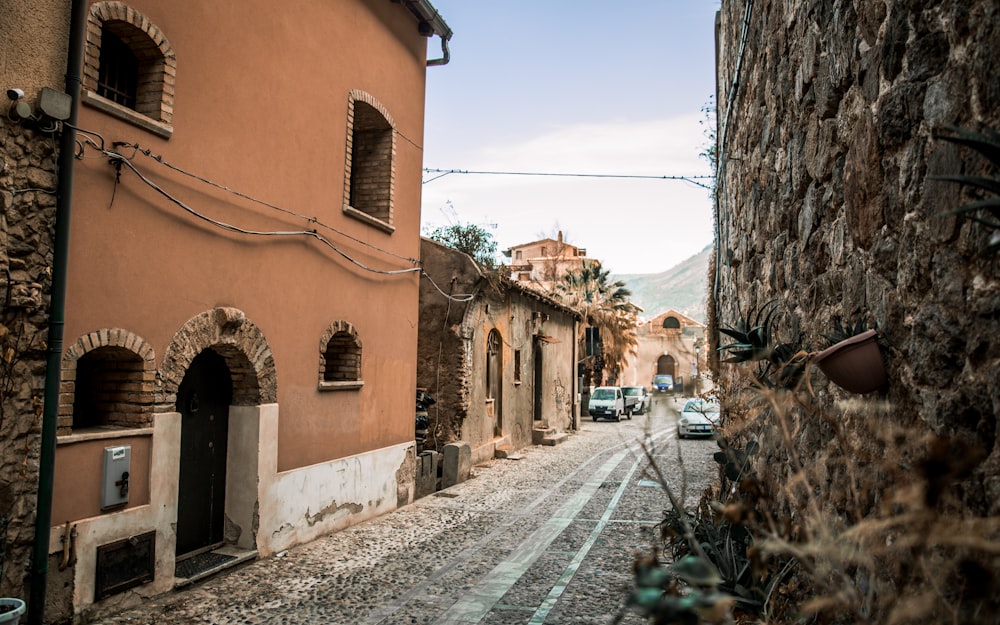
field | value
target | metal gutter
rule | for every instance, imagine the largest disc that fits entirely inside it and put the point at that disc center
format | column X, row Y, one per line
column 431, row 23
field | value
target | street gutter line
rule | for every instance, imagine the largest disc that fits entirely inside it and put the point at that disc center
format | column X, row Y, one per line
column 470, row 552
column 477, row 604
column 474, row 606
column 538, row 618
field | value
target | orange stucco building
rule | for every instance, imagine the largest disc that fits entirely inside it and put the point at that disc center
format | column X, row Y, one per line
column 242, row 284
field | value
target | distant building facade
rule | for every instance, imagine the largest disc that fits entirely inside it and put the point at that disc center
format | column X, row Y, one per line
column 670, row 343
column 499, row 359
column 542, row 264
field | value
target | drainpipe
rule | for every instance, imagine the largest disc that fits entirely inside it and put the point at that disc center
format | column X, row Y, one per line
column 57, row 315
column 431, row 23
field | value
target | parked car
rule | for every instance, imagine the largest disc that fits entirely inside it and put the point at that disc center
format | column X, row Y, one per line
column 640, row 395
column 608, row 402
column 698, row 418
column 663, row 383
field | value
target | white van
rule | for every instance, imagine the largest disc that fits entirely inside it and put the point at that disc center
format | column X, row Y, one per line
column 607, row 402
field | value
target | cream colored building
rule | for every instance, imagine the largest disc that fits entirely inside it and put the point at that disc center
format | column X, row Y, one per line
column 670, row 343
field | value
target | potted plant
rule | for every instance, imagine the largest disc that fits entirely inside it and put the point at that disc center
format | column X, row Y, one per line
column 853, row 360
column 780, row 364
column 11, row 610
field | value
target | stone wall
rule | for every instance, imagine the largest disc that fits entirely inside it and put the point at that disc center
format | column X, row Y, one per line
column 827, row 119
column 27, row 214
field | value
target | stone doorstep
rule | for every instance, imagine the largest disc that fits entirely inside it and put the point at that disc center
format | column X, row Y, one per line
column 235, row 557
column 554, row 438
column 538, row 435
column 503, row 452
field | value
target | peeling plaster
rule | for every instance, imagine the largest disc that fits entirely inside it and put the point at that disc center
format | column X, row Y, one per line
column 333, row 511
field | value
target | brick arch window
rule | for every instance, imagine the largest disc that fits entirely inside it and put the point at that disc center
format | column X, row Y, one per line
column 370, row 163
column 340, row 358
column 130, row 68
column 112, row 375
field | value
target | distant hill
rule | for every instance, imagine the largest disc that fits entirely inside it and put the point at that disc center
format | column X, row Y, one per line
column 683, row 287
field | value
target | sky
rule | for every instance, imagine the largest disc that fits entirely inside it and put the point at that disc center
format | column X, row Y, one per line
column 574, row 87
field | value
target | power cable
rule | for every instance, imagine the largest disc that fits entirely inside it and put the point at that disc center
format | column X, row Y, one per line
column 159, row 159
column 444, row 172
column 119, row 160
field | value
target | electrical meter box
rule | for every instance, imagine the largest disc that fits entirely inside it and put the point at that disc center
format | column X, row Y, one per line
column 117, row 467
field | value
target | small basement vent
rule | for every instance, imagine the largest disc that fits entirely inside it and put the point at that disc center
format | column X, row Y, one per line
column 125, row 564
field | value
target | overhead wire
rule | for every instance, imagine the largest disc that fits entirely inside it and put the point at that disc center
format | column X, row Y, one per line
column 122, row 160
column 690, row 179
column 159, row 159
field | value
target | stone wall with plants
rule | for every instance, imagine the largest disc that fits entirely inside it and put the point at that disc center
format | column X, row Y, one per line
column 27, row 212
column 836, row 123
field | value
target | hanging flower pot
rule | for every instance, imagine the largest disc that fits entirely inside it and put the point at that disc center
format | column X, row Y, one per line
column 854, row 364
column 10, row 610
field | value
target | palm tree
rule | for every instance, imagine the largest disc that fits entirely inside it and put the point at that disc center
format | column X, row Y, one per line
column 604, row 305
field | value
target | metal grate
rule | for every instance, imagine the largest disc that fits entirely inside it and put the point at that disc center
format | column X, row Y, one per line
column 125, row 564
column 200, row 563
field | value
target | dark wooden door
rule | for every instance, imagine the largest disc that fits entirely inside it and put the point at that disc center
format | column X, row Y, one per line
column 203, row 400
column 536, row 363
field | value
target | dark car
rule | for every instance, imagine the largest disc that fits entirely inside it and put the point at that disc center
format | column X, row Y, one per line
column 663, row 382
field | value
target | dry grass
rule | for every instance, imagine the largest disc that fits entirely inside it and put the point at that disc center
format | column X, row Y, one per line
column 869, row 507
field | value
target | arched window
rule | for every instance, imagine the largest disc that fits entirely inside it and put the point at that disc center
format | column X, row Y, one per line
column 110, row 375
column 340, row 361
column 130, row 67
column 371, row 151
column 672, row 323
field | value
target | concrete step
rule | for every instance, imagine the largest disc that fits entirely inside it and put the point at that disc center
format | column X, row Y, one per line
column 555, row 438
column 539, row 433
column 502, row 452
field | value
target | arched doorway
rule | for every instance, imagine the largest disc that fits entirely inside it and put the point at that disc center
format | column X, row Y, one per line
column 665, row 365
column 494, row 364
column 203, row 400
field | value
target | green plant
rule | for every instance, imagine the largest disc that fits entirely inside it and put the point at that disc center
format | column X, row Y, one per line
column 985, row 209
column 781, row 364
column 660, row 596
column 844, row 329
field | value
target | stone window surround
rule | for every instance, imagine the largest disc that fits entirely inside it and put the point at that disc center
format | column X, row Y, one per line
column 339, row 327
column 353, row 97
column 161, row 76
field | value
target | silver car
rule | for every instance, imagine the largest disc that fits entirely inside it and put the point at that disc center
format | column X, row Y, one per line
column 642, row 399
column 698, row 418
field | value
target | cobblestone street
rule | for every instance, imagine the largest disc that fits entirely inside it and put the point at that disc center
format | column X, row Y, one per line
column 546, row 537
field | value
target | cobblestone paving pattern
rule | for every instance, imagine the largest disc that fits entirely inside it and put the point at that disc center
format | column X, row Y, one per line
column 547, row 538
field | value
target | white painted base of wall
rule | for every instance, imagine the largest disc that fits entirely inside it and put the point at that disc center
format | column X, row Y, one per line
column 291, row 508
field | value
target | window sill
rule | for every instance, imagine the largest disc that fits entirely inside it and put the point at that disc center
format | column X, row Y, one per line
column 102, row 432
column 368, row 219
column 349, row 385
column 126, row 114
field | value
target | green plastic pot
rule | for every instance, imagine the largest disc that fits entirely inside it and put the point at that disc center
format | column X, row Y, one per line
column 10, row 610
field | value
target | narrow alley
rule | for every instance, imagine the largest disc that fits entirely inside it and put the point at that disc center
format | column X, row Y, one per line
column 548, row 536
